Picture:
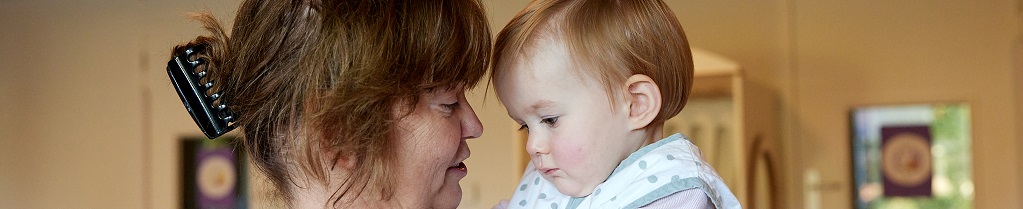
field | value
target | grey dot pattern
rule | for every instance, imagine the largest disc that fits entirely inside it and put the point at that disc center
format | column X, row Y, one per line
column 653, row 173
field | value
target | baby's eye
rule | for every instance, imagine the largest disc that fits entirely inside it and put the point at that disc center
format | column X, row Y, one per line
column 551, row 121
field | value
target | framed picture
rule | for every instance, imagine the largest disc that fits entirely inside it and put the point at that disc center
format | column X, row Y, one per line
column 213, row 174
column 912, row 156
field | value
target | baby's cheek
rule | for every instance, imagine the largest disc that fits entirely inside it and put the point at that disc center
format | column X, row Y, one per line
column 571, row 155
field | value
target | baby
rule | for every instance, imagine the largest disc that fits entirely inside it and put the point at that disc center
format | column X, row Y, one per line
column 591, row 81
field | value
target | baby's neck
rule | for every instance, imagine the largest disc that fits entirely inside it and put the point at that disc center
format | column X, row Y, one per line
column 654, row 134
column 643, row 137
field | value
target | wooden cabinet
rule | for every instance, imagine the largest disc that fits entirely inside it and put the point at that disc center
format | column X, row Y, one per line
column 736, row 125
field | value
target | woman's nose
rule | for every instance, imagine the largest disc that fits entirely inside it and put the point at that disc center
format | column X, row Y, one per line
column 471, row 126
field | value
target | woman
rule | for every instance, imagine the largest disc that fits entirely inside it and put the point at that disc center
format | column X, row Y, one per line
column 353, row 104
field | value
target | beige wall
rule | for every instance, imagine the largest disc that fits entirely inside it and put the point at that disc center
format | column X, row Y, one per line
column 76, row 99
column 1018, row 81
column 1018, row 69
column 824, row 58
column 850, row 54
column 88, row 120
column 8, row 96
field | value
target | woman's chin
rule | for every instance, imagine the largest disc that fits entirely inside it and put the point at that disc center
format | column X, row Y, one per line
column 449, row 197
column 450, row 194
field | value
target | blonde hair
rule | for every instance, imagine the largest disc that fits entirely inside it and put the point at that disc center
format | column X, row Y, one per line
column 614, row 38
column 308, row 76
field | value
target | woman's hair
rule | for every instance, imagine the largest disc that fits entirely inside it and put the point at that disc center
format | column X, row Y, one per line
column 308, row 77
column 611, row 39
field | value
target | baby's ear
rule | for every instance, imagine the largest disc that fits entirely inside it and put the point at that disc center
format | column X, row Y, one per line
column 644, row 100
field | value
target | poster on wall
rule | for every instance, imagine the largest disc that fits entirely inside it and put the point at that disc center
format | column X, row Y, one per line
column 912, row 156
column 213, row 174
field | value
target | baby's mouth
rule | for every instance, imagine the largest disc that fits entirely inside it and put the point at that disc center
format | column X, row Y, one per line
column 549, row 171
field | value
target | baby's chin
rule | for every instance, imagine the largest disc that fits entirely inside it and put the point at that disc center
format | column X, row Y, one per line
column 573, row 189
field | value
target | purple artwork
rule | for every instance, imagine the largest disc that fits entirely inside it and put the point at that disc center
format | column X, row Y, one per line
column 906, row 161
column 216, row 177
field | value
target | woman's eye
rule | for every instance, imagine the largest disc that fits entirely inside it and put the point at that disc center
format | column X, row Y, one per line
column 551, row 121
column 450, row 107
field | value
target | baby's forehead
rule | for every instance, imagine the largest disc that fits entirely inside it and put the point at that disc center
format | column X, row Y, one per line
column 534, row 56
column 547, row 61
column 553, row 55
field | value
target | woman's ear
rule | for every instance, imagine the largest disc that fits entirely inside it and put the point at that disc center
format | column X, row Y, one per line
column 333, row 158
column 644, row 100
column 344, row 162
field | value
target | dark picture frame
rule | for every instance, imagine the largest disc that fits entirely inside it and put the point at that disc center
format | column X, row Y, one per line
column 911, row 156
column 214, row 173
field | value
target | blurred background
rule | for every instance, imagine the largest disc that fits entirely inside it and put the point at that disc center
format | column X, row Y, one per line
column 88, row 118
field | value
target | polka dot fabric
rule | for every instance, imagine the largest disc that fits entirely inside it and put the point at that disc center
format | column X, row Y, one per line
column 658, row 170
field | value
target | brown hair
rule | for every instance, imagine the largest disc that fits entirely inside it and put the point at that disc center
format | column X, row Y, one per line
column 307, row 77
column 615, row 38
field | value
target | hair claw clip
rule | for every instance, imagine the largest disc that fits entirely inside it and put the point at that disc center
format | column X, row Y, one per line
column 214, row 119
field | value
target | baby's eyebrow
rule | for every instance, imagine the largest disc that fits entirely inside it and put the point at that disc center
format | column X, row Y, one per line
column 539, row 105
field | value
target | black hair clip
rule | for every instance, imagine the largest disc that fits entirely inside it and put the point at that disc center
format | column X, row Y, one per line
column 213, row 120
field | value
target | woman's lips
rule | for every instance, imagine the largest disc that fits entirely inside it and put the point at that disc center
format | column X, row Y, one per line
column 460, row 166
column 459, row 170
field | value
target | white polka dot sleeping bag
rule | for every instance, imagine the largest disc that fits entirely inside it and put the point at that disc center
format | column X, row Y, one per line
column 655, row 171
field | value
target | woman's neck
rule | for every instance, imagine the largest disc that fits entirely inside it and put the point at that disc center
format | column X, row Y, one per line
column 310, row 193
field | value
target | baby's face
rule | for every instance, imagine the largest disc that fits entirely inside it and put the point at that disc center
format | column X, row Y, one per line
column 576, row 139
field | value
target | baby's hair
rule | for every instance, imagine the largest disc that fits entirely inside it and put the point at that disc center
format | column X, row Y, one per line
column 611, row 39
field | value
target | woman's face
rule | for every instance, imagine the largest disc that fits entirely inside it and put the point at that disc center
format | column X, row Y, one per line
column 432, row 148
